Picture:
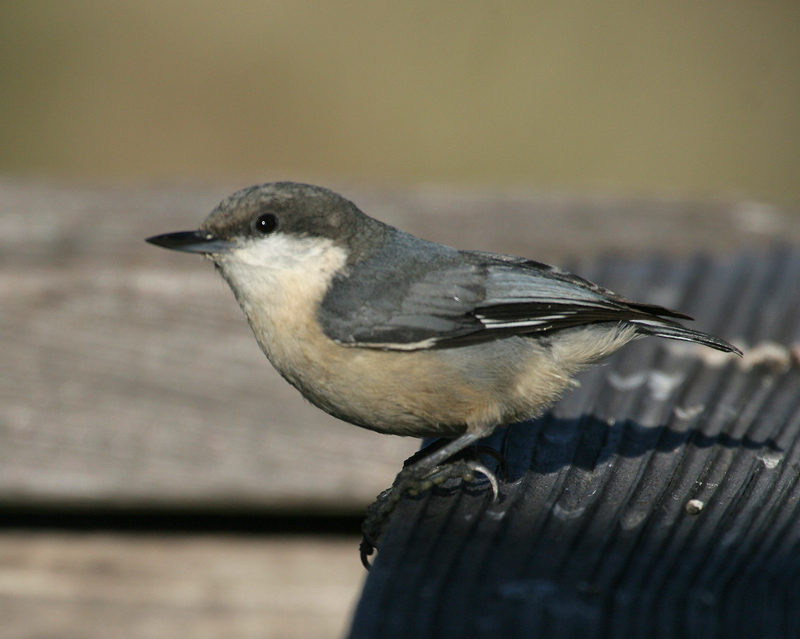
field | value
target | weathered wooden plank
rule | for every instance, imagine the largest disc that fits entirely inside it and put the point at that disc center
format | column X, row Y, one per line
column 173, row 587
column 128, row 376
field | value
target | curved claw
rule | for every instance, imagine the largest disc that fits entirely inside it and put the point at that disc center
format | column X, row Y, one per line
column 476, row 467
column 366, row 549
column 497, row 456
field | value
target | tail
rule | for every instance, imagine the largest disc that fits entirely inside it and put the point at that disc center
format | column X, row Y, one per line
column 660, row 327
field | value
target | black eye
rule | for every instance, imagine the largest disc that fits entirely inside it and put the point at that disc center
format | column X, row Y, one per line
column 265, row 224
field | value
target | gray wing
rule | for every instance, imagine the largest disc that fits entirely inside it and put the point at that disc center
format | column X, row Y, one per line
column 390, row 311
column 453, row 298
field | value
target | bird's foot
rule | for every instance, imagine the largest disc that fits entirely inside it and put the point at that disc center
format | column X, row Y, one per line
column 415, row 478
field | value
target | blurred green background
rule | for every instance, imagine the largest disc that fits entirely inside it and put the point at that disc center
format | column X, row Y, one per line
column 698, row 99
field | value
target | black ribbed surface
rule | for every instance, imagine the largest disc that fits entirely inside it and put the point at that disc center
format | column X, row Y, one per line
column 594, row 535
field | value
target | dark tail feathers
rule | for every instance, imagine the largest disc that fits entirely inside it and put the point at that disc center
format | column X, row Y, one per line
column 673, row 330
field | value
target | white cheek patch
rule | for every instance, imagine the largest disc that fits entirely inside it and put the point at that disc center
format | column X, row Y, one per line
column 280, row 251
column 281, row 269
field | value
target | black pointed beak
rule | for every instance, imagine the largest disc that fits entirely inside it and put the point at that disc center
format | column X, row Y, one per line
column 192, row 242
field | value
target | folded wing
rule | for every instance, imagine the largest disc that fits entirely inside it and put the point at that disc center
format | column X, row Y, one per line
column 483, row 296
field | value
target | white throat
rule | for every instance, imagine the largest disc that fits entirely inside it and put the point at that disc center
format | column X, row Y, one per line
column 280, row 280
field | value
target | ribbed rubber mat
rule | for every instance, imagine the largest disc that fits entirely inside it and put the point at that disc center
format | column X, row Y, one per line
column 658, row 500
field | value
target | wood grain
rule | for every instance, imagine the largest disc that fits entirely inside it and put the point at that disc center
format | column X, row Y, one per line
column 137, row 587
column 129, row 376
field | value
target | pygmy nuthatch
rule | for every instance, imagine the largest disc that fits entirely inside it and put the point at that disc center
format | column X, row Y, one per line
column 405, row 336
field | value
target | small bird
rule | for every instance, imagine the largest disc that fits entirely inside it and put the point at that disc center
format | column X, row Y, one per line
column 409, row 337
